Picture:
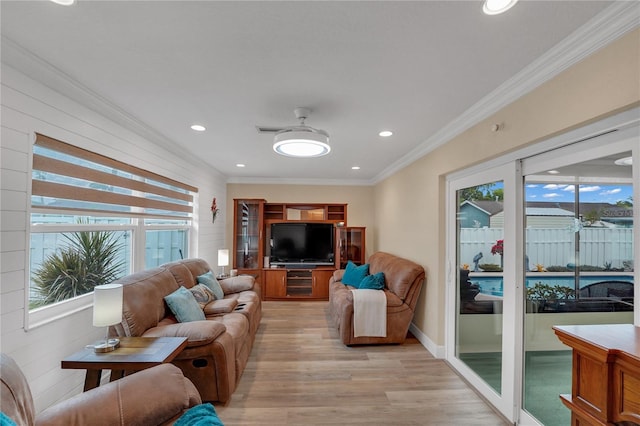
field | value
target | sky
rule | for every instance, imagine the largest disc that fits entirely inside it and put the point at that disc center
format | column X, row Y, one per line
column 588, row 193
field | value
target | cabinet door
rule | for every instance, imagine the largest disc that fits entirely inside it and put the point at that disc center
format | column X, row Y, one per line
column 351, row 241
column 321, row 279
column 247, row 234
column 275, row 284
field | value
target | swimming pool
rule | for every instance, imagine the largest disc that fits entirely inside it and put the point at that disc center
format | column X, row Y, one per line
column 492, row 285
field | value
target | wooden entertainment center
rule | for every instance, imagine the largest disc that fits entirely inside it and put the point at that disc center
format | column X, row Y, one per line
column 251, row 234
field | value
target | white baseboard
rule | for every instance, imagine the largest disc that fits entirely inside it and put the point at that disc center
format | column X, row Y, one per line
column 435, row 350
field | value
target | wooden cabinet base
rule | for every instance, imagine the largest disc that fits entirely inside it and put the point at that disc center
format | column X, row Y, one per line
column 297, row 284
column 605, row 386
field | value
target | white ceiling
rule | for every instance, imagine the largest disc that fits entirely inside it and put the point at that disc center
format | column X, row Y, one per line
column 424, row 69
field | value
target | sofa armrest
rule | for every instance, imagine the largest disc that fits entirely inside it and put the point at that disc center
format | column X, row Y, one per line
column 148, row 397
column 220, row 306
column 237, row 284
column 198, row 333
column 338, row 274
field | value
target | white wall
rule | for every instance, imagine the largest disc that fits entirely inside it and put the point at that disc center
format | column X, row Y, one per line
column 29, row 107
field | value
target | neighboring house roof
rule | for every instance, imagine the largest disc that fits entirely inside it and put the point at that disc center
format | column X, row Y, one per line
column 607, row 209
column 487, row 206
column 548, row 211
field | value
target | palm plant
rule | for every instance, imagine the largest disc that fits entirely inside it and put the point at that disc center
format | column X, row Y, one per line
column 90, row 258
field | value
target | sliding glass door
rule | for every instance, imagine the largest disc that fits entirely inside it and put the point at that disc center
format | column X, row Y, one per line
column 580, row 259
column 482, row 324
column 541, row 240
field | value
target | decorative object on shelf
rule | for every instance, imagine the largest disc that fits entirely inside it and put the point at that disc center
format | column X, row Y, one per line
column 223, row 260
column 214, row 210
column 107, row 311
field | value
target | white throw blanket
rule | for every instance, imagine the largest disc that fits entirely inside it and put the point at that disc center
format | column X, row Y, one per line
column 369, row 313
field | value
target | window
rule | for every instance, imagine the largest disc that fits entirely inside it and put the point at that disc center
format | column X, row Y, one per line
column 95, row 219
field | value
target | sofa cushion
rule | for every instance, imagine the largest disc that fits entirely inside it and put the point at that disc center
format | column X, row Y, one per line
column 222, row 306
column 184, row 305
column 203, row 295
column 198, row 333
column 354, row 274
column 237, row 284
column 210, row 281
column 143, row 299
column 373, row 282
column 399, row 273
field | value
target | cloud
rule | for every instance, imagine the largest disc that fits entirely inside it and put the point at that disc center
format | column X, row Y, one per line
column 551, row 195
column 590, row 188
column 532, row 185
column 570, row 188
column 553, row 186
column 611, row 191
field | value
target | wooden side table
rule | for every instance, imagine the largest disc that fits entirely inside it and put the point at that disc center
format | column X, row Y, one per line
column 133, row 354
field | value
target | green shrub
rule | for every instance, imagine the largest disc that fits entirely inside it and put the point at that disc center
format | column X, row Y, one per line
column 89, row 259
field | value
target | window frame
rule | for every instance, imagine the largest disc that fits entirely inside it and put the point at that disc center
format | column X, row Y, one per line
column 136, row 226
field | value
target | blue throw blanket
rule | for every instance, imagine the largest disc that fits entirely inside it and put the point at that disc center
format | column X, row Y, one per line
column 200, row 415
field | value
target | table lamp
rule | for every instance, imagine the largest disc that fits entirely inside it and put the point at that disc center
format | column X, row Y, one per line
column 107, row 311
column 223, row 260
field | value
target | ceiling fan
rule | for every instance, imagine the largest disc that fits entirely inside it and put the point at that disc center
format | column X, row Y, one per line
column 300, row 140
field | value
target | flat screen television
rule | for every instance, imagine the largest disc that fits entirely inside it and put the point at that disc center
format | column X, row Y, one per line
column 302, row 243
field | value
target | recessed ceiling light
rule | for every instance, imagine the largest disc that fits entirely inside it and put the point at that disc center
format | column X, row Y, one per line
column 553, row 172
column 386, row 133
column 626, row 161
column 355, row 168
column 64, row 2
column 495, row 7
column 239, row 165
column 198, row 128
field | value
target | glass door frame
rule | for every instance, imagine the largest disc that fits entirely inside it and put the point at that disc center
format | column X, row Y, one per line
column 617, row 133
column 623, row 140
column 509, row 174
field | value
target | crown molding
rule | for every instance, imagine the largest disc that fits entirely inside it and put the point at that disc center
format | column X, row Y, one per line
column 604, row 28
column 42, row 71
column 294, row 181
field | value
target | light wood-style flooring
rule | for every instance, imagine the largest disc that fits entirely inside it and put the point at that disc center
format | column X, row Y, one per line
column 299, row 373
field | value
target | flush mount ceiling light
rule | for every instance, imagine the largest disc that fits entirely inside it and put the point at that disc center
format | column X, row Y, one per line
column 385, row 133
column 300, row 141
column 198, row 128
column 626, row 161
column 495, row 7
column 64, row 2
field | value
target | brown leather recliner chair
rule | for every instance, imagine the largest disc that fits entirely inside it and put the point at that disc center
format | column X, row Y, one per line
column 403, row 281
column 155, row 396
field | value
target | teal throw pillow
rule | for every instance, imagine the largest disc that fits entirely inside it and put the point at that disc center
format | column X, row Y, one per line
column 210, row 281
column 200, row 415
column 373, row 282
column 354, row 274
column 184, row 305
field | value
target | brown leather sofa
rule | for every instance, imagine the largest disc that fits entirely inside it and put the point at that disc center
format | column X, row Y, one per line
column 133, row 400
column 218, row 348
column 403, row 281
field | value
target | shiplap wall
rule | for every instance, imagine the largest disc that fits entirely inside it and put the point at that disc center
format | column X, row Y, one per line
column 28, row 107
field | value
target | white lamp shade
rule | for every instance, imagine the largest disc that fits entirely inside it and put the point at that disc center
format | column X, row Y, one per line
column 107, row 305
column 223, row 257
